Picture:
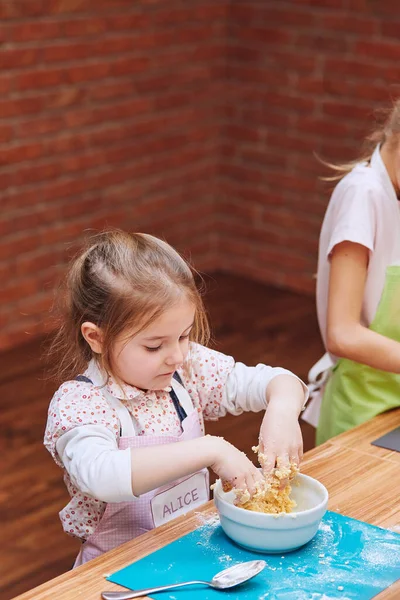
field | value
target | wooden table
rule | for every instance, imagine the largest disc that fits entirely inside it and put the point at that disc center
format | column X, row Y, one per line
column 363, row 482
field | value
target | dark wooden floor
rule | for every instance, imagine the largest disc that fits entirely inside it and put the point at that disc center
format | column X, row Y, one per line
column 252, row 322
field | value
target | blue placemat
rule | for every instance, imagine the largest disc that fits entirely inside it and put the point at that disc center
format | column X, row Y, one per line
column 347, row 559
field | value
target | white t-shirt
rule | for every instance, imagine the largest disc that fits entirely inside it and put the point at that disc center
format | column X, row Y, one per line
column 363, row 209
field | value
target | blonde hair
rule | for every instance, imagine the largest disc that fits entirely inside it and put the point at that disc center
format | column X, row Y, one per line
column 121, row 282
column 386, row 133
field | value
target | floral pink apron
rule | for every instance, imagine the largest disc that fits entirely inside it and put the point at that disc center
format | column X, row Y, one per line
column 123, row 521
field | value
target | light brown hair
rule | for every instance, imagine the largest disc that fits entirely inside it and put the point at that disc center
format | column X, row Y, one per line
column 121, row 282
column 386, row 133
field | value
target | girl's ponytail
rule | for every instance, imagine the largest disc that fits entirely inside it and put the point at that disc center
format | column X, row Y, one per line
column 386, row 133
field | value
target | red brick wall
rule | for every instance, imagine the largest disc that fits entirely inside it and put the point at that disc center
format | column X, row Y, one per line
column 303, row 76
column 107, row 118
column 194, row 120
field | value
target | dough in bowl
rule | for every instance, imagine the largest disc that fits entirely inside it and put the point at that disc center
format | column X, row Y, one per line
column 270, row 497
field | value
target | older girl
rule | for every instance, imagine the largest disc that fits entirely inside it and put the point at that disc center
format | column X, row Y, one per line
column 358, row 290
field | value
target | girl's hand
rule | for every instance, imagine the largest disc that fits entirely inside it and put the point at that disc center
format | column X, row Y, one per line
column 233, row 467
column 280, row 437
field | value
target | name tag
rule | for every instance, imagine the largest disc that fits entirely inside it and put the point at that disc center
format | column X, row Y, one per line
column 180, row 498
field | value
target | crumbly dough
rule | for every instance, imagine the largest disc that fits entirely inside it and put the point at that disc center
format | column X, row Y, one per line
column 269, row 497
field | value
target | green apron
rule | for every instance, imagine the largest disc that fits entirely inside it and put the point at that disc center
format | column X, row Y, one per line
column 356, row 393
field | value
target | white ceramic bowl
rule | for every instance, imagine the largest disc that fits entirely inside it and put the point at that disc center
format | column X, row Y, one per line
column 274, row 533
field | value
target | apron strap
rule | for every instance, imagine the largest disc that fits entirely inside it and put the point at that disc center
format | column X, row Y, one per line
column 83, row 378
column 178, row 406
column 127, row 427
column 178, row 378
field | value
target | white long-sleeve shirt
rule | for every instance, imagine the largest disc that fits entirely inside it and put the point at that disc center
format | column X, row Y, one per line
column 83, row 430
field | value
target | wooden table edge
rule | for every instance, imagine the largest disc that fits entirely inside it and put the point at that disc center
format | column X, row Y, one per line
column 147, row 543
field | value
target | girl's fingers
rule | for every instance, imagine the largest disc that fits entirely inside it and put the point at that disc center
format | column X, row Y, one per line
column 258, row 476
column 227, row 485
column 268, row 464
column 298, row 453
column 283, row 463
column 250, row 484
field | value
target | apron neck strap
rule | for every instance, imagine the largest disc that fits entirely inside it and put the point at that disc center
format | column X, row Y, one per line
column 127, row 428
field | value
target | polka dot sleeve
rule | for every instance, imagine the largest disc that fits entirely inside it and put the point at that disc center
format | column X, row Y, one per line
column 218, row 385
column 76, row 404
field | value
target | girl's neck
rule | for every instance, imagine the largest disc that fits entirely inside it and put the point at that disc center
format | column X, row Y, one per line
column 388, row 158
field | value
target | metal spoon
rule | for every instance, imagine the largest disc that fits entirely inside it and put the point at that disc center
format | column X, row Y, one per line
column 228, row 578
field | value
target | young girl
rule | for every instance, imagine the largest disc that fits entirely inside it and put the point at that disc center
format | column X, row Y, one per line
column 129, row 433
column 358, row 290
